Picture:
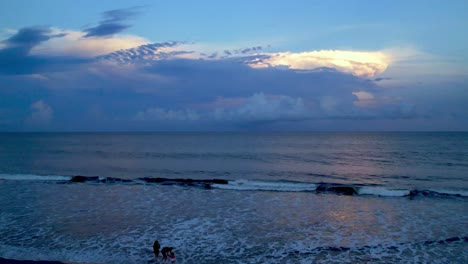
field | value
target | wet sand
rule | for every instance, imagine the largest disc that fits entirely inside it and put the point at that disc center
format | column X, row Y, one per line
column 14, row 261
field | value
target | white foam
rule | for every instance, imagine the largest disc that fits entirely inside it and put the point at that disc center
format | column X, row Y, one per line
column 33, row 177
column 218, row 226
column 380, row 191
column 451, row 192
column 252, row 185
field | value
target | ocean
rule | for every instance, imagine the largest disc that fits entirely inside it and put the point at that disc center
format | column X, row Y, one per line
column 235, row 197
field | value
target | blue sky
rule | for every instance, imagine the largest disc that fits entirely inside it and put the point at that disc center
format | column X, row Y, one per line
column 233, row 65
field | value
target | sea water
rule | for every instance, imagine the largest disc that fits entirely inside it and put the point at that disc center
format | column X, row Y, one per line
column 252, row 197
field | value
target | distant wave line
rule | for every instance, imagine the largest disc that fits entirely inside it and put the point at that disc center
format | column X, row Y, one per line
column 247, row 185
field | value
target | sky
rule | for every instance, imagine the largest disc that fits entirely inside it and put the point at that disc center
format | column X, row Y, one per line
column 240, row 65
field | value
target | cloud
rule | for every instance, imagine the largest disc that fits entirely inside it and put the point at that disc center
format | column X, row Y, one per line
column 42, row 113
column 159, row 114
column 381, row 79
column 260, row 107
column 35, row 50
column 127, row 83
column 363, row 95
column 359, row 63
column 21, row 43
column 74, row 44
column 368, row 100
column 412, row 65
column 28, row 37
column 16, row 56
column 112, row 23
column 148, row 52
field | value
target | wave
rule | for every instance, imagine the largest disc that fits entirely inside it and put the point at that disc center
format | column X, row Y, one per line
column 248, row 185
column 380, row 191
column 252, row 185
column 34, row 177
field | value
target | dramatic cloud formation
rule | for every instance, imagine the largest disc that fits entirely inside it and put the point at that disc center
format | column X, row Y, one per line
column 360, row 63
column 16, row 56
column 26, row 38
column 365, row 64
column 55, row 79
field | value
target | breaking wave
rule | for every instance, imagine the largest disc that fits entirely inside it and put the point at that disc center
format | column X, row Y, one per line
column 247, row 185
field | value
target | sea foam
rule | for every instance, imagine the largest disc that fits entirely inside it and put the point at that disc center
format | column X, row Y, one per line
column 280, row 186
column 380, row 191
column 34, row 177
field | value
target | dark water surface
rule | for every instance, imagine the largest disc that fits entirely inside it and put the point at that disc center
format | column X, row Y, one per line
column 286, row 198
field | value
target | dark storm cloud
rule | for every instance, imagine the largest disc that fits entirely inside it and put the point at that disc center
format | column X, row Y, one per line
column 16, row 57
column 245, row 51
column 248, row 95
column 150, row 88
column 26, row 38
column 113, row 22
column 381, row 79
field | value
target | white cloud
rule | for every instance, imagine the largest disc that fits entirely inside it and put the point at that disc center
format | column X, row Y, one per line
column 382, row 105
column 395, row 65
column 366, row 100
column 401, row 63
column 41, row 112
column 360, row 63
column 363, row 95
column 74, row 44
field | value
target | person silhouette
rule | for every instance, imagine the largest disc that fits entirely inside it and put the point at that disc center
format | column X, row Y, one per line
column 165, row 251
column 156, row 248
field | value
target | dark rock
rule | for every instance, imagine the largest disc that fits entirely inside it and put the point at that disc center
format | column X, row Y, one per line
column 452, row 239
column 79, row 179
column 184, row 182
column 114, row 180
column 219, row 181
column 344, row 190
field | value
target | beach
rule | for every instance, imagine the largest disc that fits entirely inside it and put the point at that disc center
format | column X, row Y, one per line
column 234, row 197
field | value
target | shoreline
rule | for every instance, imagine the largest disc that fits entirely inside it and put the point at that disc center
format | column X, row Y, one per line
column 17, row 261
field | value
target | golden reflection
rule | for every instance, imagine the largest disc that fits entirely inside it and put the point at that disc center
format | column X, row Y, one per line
column 360, row 63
